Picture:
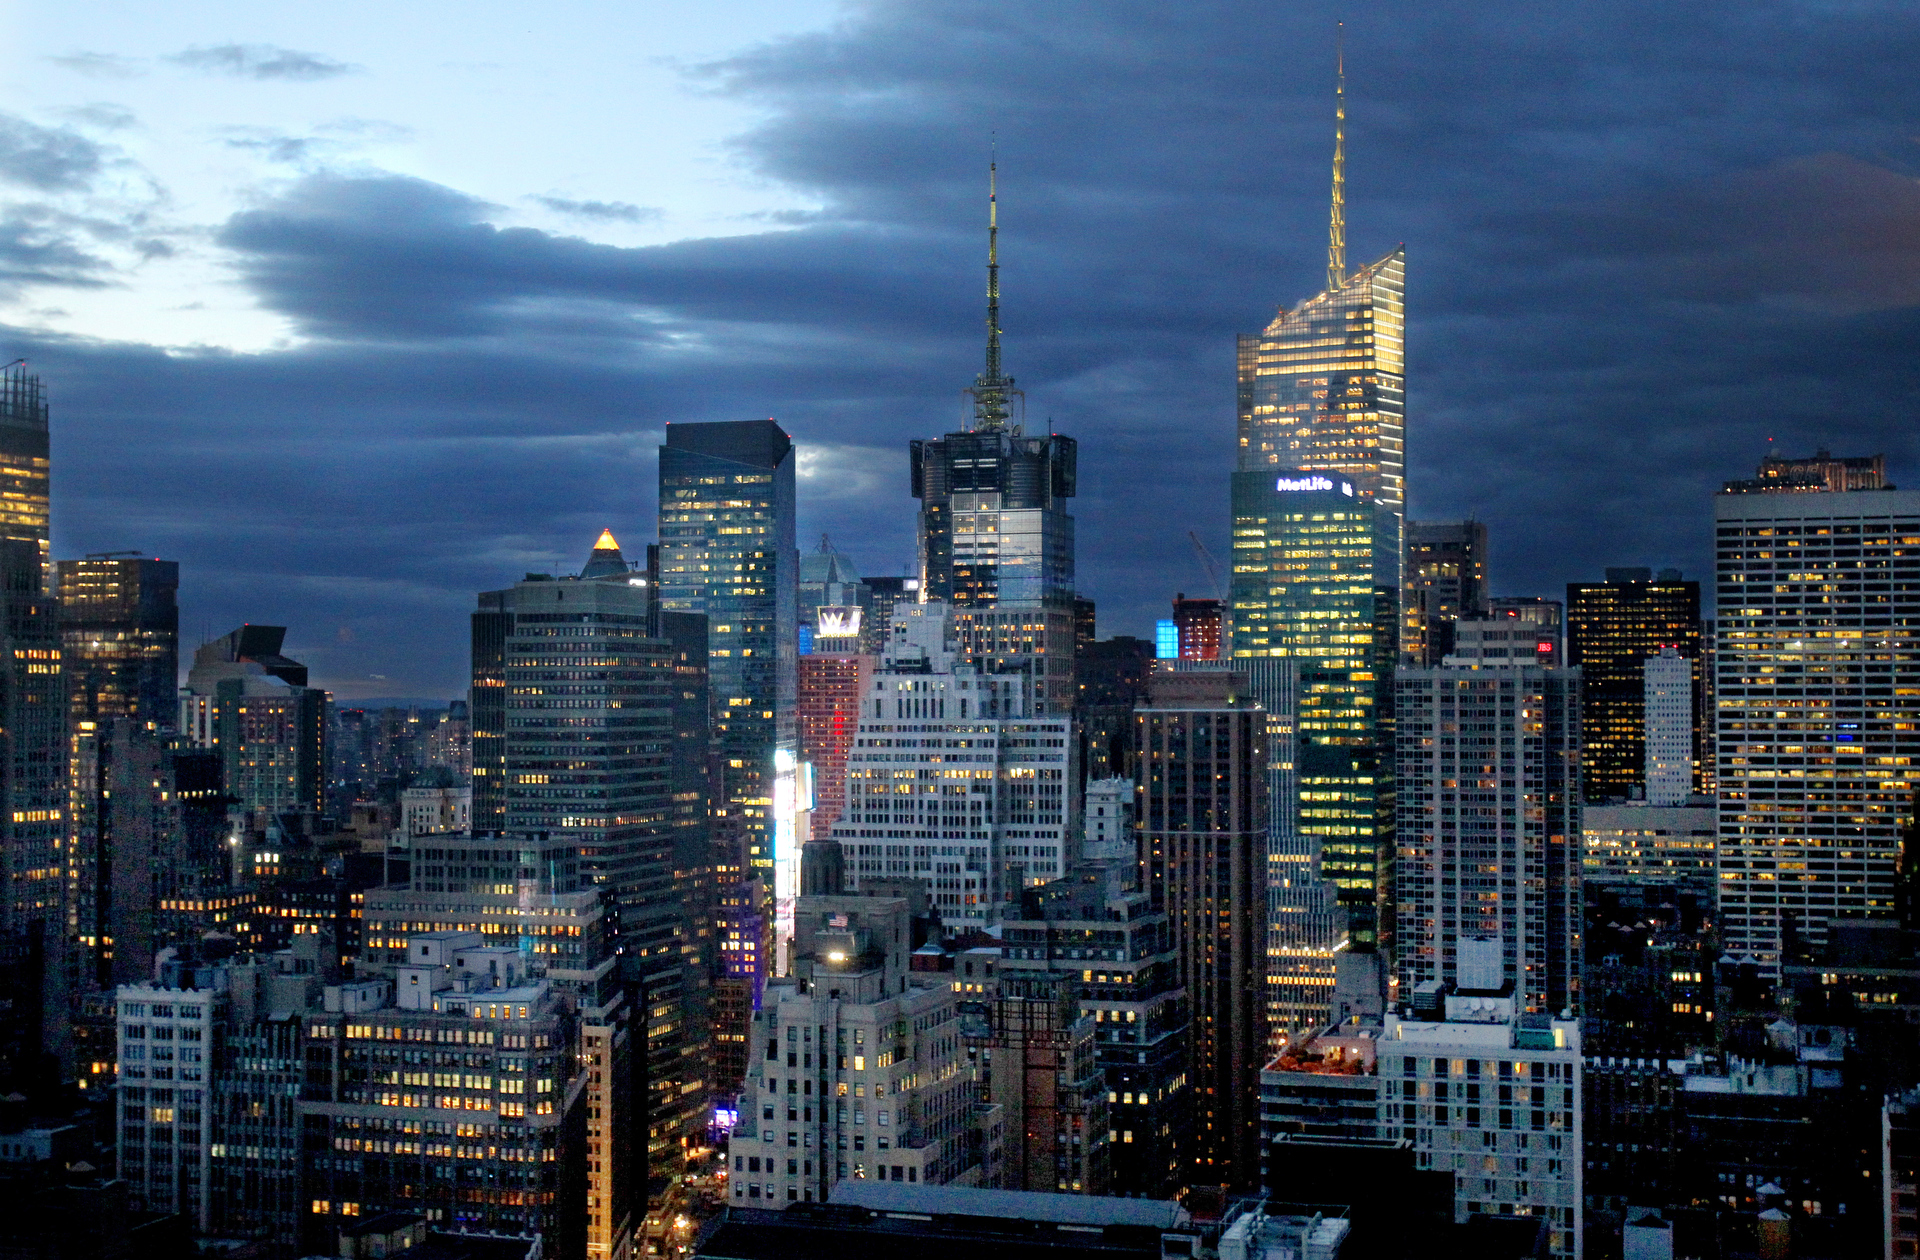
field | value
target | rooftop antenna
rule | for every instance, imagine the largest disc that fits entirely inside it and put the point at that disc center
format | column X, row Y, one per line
column 1337, row 225
column 992, row 391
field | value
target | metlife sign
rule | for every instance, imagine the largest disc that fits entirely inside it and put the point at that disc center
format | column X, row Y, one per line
column 1296, row 485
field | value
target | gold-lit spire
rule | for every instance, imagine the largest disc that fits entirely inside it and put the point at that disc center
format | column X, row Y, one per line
column 606, row 542
column 1337, row 227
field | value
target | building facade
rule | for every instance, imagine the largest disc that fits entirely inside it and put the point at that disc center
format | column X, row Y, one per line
column 1446, row 582
column 1489, row 869
column 831, row 688
column 1203, row 846
column 252, row 705
column 1817, row 642
column 728, row 550
column 1613, row 627
column 950, row 779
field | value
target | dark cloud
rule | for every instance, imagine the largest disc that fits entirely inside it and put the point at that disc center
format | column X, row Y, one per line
column 609, row 211
column 46, row 159
column 261, row 61
column 1642, row 241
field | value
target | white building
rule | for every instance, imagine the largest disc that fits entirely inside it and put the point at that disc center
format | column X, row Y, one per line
column 853, row 1073
column 435, row 811
column 167, row 1050
column 949, row 779
column 1669, row 724
column 1109, row 820
column 1817, row 665
column 1494, row 1098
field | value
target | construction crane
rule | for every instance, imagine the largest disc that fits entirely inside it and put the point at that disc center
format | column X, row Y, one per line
column 1213, row 570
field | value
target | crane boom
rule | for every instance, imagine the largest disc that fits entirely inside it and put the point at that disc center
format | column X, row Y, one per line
column 1213, row 570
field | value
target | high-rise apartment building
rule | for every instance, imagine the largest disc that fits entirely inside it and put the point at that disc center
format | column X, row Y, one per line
column 252, row 704
column 1817, row 656
column 1110, row 676
column 831, row 688
column 604, row 746
column 951, row 780
column 1489, row 867
column 119, row 631
column 727, row 549
column 33, row 779
column 1613, row 627
column 1446, row 582
column 995, row 539
column 1315, row 573
column 1203, row 857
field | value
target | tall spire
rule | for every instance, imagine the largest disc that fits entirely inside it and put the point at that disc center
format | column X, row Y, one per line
column 992, row 391
column 1337, row 226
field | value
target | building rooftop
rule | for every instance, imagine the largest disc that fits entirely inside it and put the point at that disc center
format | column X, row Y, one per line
column 1017, row 1205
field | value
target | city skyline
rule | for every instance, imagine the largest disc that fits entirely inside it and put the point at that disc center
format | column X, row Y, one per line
column 1128, row 257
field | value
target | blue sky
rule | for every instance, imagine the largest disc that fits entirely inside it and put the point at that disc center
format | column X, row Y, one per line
column 357, row 310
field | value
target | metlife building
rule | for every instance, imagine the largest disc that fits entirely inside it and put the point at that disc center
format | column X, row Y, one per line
column 1316, row 580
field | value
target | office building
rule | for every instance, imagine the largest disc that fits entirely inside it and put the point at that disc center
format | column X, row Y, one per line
column 1110, row 677
column 1446, row 574
column 1107, row 944
column 855, row 1073
column 1497, row 642
column 834, row 602
column 1203, row 848
column 622, row 778
column 1316, row 568
column 1814, row 739
column 830, row 690
column 883, row 593
column 1489, row 868
column 1670, row 727
column 1649, row 844
column 995, row 539
column 168, row 1036
column 119, row 631
column 449, row 1091
column 1198, row 624
column 33, row 779
column 1821, row 473
column 727, row 549
column 1612, row 628
column 250, row 703
column 952, row 780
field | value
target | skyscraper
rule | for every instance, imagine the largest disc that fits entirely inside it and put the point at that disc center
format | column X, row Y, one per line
column 1197, row 623
column 119, row 631
column 1670, row 728
column 834, row 601
column 604, row 748
column 1318, row 508
column 995, row 539
column 1446, row 581
column 1613, row 627
column 831, row 688
column 1306, row 586
column 1817, row 651
column 1489, row 868
column 252, row 704
column 727, row 549
column 33, row 780
column 1203, row 857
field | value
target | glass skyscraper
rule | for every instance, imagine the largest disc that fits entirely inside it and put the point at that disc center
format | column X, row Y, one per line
column 995, row 539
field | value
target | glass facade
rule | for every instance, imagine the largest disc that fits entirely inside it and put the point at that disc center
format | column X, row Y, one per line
column 1613, row 629
column 727, row 549
column 1323, row 388
column 1310, row 553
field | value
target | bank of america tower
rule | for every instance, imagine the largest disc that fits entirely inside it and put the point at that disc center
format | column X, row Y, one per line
column 1319, row 508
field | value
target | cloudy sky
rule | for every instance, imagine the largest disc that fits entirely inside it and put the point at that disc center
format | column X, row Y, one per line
column 358, row 309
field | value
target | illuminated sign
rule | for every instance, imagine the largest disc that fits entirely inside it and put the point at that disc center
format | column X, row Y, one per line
column 1312, row 482
column 837, row 622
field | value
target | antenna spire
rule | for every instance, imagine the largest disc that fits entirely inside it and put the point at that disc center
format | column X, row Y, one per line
column 993, row 391
column 1337, row 225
